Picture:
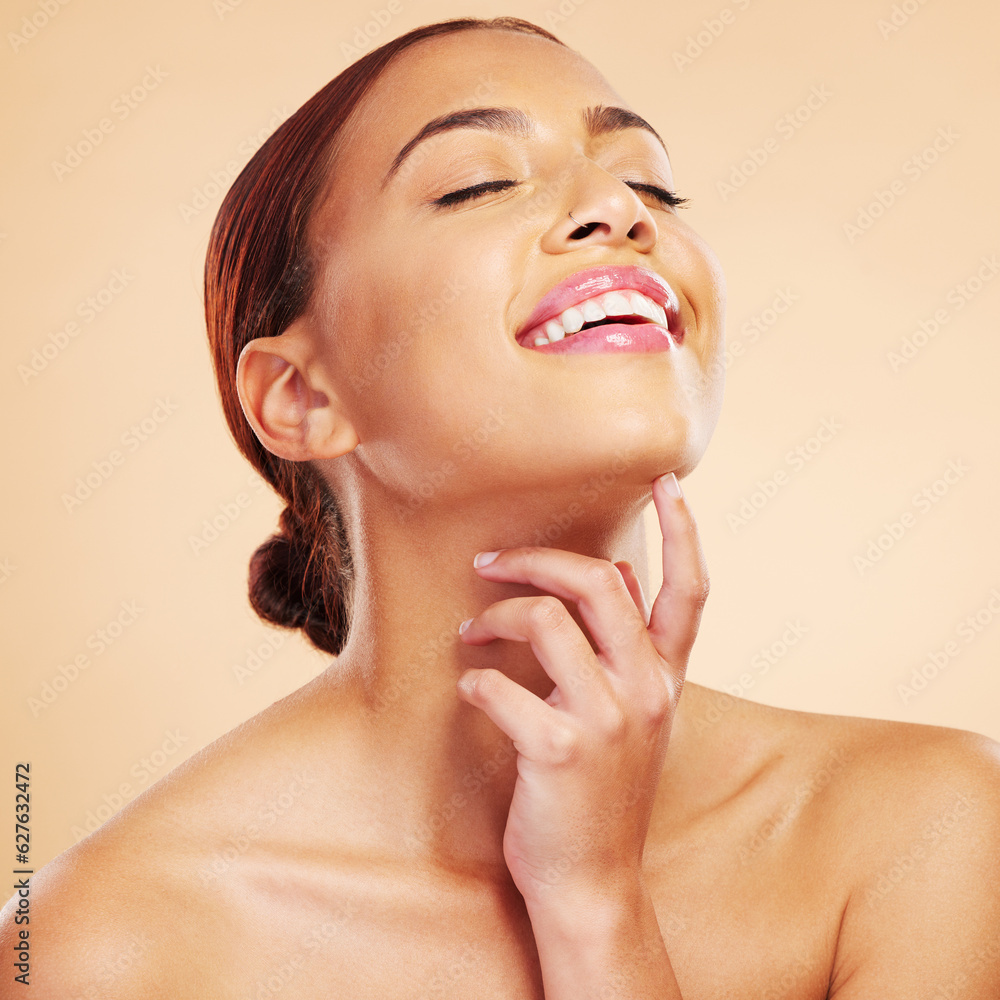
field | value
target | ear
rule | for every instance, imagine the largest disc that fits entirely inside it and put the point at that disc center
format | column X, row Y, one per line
column 287, row 401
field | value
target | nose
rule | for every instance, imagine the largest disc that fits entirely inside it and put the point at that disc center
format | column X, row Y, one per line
column 604, row 212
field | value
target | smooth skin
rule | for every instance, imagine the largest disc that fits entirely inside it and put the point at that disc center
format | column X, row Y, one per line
column 538, row 805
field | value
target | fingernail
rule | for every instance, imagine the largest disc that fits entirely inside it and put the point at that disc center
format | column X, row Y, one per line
column 464, row 626
column 670, row 484
column 484, row 558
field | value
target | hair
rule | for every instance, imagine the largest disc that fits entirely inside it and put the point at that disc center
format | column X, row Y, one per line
column 259, row 278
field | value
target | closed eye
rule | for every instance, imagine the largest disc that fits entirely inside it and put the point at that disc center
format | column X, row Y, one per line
column 667, row 197
column 454, row 197
column 464, row 194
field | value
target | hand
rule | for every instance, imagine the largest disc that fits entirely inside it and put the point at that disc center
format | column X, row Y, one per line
column 590, row 755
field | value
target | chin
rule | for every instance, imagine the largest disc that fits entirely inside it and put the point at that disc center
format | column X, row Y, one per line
column 690, row 444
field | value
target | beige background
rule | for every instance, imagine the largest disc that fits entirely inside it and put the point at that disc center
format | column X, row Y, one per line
column 181, row 671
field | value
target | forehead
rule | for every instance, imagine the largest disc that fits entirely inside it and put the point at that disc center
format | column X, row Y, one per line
column 470, row 69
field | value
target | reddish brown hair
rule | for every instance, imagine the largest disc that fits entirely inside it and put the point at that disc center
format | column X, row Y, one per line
column 258, row 280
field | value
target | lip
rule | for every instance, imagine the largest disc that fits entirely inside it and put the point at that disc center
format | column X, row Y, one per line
column 621, row 336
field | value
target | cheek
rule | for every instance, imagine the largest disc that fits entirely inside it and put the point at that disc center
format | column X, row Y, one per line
column 704, row 286
column 418, row 370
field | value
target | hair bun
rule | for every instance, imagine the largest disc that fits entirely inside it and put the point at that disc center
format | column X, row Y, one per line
column 293, row 583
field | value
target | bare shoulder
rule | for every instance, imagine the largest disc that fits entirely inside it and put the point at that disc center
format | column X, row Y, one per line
column 110, row 915
column 901, row 780
column 882, row 768
column 875, row 783
column 906, row 817
column 924, row 910
column 93, row 930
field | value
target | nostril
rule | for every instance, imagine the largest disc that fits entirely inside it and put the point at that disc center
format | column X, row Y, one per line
column 583, row 231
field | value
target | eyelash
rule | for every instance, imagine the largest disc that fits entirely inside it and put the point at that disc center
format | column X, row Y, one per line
column 456, row 197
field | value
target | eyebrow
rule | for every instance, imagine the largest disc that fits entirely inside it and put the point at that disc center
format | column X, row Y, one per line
column 598, row 120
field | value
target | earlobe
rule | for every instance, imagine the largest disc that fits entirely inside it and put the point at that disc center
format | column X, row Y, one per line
column 293, row 415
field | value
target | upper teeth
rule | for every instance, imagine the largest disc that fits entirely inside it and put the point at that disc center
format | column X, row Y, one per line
column 618, row 303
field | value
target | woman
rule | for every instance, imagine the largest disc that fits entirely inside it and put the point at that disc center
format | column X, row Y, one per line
column 498, row 788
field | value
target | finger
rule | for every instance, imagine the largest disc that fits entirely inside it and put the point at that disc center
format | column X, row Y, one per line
column 634, row 588
column 595, row 585
column 676, row 613
column 537, row 729
column 555, row 639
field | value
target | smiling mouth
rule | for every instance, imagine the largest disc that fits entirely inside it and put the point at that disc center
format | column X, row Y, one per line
column 608, row 307
column 619, row 306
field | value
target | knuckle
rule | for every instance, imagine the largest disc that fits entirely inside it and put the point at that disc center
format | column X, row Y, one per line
column 632, row 629
column 561, row 744
column 545, row 612
column 603, row 576
column 485, row 683
column 657, row 706
column 613, row 721
column 696, row 590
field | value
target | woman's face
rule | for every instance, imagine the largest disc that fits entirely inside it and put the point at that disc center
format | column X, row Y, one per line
column 418, row 304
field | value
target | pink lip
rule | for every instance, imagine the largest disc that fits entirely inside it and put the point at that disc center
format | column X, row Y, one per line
column 635, row 337
column 630, row 338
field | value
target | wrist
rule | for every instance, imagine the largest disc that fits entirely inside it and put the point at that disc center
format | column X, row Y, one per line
column 588, row 913
column 602, row 942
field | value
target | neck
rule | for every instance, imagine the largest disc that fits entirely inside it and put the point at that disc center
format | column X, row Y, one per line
column 449, row 766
